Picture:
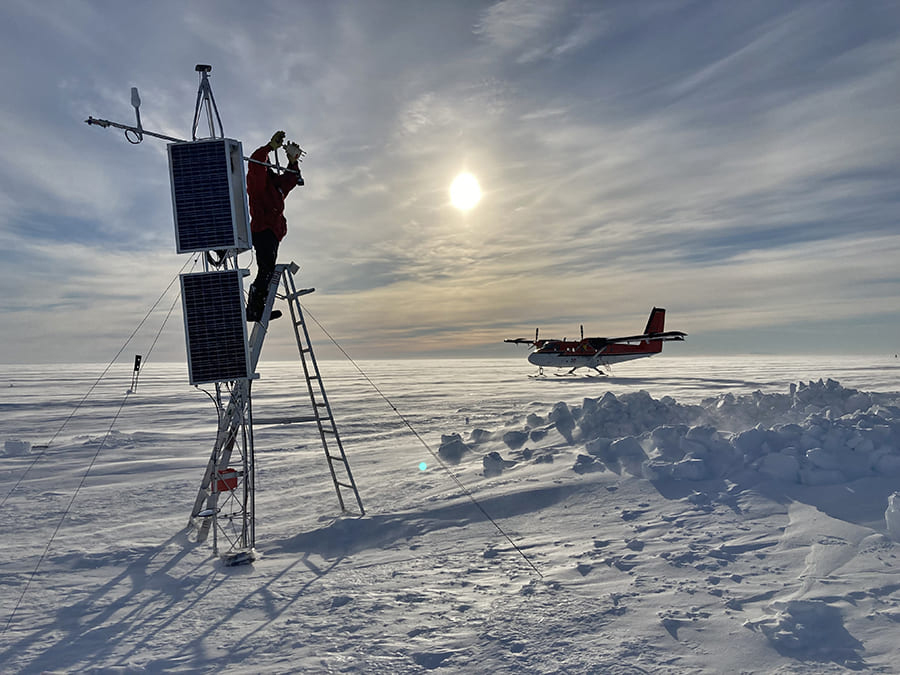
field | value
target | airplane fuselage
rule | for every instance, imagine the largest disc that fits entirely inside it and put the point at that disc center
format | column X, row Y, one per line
column 574, row 355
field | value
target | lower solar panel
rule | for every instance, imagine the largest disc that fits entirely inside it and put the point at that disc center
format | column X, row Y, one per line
column 214, row 326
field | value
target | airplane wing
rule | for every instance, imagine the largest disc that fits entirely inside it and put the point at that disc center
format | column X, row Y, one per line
column 528, row 341
column 599, row 343
column 667, row 336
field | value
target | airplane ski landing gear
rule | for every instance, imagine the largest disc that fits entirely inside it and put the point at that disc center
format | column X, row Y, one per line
column 573, row 371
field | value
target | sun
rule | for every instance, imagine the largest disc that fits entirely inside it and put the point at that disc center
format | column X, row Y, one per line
column 465, row 192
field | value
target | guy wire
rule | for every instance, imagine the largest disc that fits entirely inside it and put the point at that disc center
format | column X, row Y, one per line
column 421, row 440
column 100, row 378
column 65, row 513
column 99, row 448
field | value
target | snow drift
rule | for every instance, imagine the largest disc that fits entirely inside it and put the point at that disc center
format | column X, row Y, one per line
column 818, row 433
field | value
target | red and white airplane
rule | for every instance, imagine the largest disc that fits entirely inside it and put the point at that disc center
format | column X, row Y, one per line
column 599, row 351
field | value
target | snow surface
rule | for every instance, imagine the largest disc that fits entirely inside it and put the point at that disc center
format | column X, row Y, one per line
column 685, row 515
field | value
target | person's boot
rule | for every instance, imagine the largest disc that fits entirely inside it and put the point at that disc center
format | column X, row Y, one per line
column 254, row 305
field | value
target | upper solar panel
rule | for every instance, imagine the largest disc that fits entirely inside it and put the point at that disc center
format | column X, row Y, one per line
column 209, row 195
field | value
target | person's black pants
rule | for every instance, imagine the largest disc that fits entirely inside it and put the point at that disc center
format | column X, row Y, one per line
column 265, row 243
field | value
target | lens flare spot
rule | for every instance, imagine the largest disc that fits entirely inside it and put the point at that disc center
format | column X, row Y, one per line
column 422, row 466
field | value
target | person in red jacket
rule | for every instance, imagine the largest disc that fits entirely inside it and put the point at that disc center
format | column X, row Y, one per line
column 266, row 191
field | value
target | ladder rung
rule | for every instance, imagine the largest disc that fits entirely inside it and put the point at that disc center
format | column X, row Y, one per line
column 284, row 420
column 345, row 485
column 335, row 458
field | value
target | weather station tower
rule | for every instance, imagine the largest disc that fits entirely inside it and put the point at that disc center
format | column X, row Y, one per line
column 209, row 201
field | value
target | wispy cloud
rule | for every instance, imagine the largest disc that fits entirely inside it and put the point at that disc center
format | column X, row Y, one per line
column 734, row 162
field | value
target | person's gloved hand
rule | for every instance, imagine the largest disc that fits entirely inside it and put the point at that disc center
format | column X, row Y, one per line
column 277, row 140
column 293, row 151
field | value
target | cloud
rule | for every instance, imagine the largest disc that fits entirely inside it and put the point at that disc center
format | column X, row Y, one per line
column 531, row 30
column 744, row 177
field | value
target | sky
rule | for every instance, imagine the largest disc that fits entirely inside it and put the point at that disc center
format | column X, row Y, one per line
column 735, row 163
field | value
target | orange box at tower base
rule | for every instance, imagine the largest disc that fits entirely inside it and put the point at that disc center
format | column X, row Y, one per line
column 227, row 480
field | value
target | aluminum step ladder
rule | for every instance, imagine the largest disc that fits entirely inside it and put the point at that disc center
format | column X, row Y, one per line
column 235, row 433
column 338, row 465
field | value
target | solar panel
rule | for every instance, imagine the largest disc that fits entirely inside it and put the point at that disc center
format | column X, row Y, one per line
column 209, row 195
column 214, row 326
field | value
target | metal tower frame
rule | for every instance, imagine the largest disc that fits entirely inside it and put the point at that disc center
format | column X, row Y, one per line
column 225, row 502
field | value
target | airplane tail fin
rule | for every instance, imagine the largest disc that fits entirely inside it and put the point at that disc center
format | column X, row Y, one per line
column 657, row 321
column 656, row 324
